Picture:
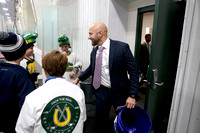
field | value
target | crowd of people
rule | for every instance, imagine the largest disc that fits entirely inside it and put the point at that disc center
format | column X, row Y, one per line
column 59, row 104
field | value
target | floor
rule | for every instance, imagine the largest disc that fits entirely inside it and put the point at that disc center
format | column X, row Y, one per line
column 90, row 107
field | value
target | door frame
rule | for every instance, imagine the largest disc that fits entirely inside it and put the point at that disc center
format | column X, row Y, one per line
column 140, row 13
column 174, row 13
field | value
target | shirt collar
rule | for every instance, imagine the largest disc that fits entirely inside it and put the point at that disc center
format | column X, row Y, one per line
column 106, row 43
column 52, row 77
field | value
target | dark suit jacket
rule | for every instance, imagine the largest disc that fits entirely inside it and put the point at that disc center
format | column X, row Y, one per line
column 144, row 59
column 121, row 63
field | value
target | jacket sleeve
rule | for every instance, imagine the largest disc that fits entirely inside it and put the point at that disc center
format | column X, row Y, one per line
column 88, row 72
column 25, row 122
column 132, row 71
column 25, row 87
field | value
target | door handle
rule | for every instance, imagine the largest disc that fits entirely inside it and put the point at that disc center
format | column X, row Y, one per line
column 155, row 82
column 159, row 83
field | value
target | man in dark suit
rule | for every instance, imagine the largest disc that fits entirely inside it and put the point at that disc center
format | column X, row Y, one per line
column 115, row 87
column 145, row 50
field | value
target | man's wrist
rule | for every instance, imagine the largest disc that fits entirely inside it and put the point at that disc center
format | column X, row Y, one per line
column 77, row 79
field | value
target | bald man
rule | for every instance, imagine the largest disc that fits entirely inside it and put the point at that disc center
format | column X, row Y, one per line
column 116, row 87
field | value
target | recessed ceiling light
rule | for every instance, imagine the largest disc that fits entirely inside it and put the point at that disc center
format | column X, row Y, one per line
column 6, row 9
column 7, row 14
column 3, row 1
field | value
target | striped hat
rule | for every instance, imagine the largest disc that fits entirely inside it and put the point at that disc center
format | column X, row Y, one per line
column 12, row 46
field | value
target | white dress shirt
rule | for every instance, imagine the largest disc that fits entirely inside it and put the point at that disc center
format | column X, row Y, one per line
column 105, row 75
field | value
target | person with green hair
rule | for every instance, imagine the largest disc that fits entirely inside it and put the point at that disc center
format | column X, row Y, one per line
column 29, row 63
column 74, row 66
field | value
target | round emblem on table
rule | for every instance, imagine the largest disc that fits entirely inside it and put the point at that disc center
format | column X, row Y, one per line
column 60, row 115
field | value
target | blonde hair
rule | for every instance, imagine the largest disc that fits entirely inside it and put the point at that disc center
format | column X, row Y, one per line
column 55, row 63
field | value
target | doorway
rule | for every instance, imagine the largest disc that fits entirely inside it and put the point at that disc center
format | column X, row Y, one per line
column 144, row 26
column 161, row 74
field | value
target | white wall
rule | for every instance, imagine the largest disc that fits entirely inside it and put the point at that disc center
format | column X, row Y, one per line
column 118, row 20
column 132, row 19
column 86, row 13
column 185, row 109
column 147, row 22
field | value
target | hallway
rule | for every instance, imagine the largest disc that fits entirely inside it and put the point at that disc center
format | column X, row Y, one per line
column 90, row 107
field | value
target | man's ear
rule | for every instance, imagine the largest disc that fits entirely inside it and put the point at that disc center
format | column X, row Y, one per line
column 100, row 33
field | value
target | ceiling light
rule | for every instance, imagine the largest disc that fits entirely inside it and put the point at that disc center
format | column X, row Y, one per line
column 6, row 9
column 7, row 14
column 147, row 30
column 8, row 17
column 3, row 1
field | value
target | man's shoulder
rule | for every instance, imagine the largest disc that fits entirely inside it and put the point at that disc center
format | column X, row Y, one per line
column 14, row 69
column 143, row 44
column 118, row 43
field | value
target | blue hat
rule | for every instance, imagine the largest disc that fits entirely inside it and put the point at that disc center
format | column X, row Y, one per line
column 134, row 120
column 12, row 46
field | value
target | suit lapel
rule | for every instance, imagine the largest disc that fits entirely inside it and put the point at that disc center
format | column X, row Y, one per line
column 111, row 55
column 94, row 58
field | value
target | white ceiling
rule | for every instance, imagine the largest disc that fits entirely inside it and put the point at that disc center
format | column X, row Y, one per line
column 10, row 4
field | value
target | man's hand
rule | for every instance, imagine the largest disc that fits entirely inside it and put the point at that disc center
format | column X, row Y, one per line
column 130, row 102
column 76, row 81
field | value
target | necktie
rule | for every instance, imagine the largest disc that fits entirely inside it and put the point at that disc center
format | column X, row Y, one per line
column 97, row 71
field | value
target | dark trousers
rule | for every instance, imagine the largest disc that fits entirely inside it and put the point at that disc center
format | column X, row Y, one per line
column 104, row 101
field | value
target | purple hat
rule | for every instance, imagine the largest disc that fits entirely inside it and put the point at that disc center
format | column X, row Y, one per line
column 12, row 46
